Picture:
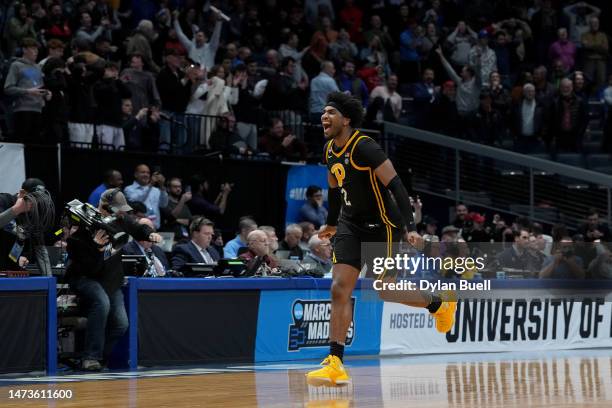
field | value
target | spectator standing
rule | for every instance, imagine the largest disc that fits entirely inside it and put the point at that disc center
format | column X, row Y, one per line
column 409, row 56
column 391, row 100
column 174, row 91
column 424, row 95
column 199, row 49
column 569, row 118
column 563, row 50
column 468, row 87
column 343, row 49
column 595, row 48
column 460, row 43
column 348, row 82
column 109, row 93
column 528, row 122
column 149, row 190
column 141, row 84
column 20, row 27
column 24, row 83
column 321, row 86
column 579, row 15
column 140, row 43
column 484, row 57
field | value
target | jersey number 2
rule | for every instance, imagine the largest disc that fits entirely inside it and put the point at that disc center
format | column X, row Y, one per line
column 345, row 196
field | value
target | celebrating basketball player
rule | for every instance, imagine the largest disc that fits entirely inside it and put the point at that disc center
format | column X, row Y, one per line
column 361, row 180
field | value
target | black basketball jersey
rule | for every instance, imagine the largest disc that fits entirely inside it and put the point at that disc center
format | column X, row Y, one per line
column 364, row 198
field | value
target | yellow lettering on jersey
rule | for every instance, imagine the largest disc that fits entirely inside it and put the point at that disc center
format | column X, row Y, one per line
column 338, row 171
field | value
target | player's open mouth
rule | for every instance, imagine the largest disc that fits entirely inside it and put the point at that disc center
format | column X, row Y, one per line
column 326, row 126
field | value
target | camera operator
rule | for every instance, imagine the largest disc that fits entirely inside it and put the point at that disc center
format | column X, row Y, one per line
column 95, row 273
column 563, row 264
column 24, row 218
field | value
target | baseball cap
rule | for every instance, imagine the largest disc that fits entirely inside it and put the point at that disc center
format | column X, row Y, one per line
column 116, row 200
column 483, row 34
column 477, row 217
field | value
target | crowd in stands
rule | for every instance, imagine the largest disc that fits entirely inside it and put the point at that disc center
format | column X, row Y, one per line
column 522, row 247
column 190, row 215
column 137, row 75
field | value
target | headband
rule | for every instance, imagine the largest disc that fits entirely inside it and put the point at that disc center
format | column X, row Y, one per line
column 338, row 108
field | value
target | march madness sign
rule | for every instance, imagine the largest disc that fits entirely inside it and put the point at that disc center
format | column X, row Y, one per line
column 310, row 327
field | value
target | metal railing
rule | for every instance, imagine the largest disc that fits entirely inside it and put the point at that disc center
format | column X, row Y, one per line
column 544, row 190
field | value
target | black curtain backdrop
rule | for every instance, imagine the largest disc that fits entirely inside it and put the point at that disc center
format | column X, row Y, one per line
column 23, row 331
column 185, row 328
column 259, row 186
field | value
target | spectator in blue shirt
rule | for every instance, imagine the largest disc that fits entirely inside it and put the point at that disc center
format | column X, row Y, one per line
column 150, row 191
column 409, row 56
column 313, row 210
column 321, row 86
column 112, row 179
column 349, row 82
column 245, row 226
column 424, row 94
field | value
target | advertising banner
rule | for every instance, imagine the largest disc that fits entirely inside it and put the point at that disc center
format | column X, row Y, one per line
column 295, row 325
column 536, row 319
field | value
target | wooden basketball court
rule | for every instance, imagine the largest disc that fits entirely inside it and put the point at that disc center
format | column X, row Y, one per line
column 556, row 379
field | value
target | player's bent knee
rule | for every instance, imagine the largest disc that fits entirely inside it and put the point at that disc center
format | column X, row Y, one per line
column 340, row 291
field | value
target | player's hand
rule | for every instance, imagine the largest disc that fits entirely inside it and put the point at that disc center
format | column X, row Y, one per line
column 415, row 240
column 326, row 232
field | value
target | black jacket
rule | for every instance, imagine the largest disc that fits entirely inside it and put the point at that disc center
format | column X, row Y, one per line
column 86, row 260
column 109, row 94
column 173, row 94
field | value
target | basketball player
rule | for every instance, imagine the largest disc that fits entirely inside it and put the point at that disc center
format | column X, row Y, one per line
column 361, row 180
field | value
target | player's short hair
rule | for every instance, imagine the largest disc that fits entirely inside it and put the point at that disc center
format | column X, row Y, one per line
column 348, row 106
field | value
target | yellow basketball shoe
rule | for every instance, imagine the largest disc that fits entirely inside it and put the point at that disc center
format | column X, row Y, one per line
column 445, row 315
column 332, row 374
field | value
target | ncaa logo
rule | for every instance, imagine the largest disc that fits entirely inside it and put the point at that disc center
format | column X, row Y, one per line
column 310, row 327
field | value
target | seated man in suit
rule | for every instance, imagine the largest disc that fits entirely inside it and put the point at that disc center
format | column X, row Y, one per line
column 158, row 263
column 320, row 255
column 198, row 249
column 257, row 256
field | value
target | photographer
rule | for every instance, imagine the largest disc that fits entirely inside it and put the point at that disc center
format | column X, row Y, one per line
column 24, row 218
column 95, row 273
column 563, row 264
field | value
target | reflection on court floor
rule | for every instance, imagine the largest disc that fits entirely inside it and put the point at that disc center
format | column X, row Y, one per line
column 573, row 378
